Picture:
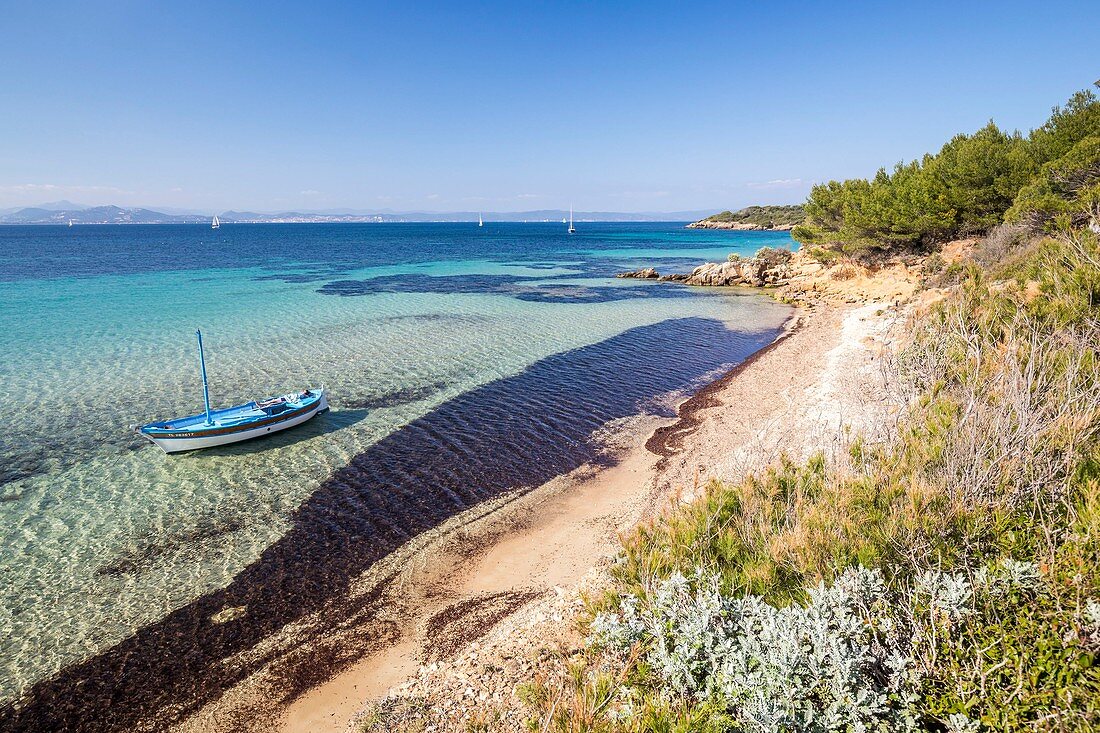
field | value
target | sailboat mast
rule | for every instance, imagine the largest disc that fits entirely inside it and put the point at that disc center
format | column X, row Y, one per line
column 205, row 388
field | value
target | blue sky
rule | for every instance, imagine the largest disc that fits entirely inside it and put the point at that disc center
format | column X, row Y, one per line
column 506, row 106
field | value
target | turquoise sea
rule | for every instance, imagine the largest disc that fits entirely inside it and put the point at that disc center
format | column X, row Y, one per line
column 462, row 363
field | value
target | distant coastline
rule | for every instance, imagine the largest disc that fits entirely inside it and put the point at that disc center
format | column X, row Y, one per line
column 62, row 213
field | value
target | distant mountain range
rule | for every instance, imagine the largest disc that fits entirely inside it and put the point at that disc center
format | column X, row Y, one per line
column 97, row 215
column 62, row 212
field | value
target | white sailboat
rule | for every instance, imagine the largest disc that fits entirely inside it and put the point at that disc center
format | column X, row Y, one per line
column 572, row 230
column 215, row 223
column 480, row 223
column 70, row 222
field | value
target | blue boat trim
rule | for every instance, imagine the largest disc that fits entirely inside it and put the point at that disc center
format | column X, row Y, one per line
column 252, row 415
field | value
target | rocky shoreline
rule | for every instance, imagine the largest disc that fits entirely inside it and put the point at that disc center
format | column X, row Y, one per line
column 768, row 268
column 799, row 278
column 720, row 274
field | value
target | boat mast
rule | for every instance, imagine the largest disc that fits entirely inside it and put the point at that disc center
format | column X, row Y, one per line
column 205, row 388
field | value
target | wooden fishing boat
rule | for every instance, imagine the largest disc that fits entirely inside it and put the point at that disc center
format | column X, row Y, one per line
column 233, row 424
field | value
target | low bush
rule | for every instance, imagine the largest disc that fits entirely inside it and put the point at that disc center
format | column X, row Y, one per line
column 858, row 654
column 1000, row 246
column 934, row 264
column 833, row 663
column 825, row 255
column 770, row 257
column 845, row 271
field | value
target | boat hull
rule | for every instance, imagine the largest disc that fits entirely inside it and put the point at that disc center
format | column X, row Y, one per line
column 196, row 440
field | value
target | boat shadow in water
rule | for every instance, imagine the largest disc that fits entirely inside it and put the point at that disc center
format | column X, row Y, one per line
column 514, row 433
column 326, row 422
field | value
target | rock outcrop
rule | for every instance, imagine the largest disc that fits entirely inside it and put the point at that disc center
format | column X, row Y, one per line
column 739, row 272
column 754, row 272
column 800, row 279
column 647, row 274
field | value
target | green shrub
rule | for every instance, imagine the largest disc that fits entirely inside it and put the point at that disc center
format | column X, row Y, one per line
column 1063, row 188
column 835, row 663
column 825, row 256
column 1015, row 661
column 966, row 188
column 934, row 264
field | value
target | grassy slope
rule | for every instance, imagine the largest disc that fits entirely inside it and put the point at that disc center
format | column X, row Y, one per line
column 995, row 473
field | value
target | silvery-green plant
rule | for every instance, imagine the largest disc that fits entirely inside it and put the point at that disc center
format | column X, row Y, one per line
column 1089, row 631
column 948, row 595
column 1092, row 614
column 1020, row 575
column 850, row 658
column 835, row 663
column 959, row 723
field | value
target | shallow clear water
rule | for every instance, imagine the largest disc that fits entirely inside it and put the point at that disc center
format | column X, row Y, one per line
column 435, row 342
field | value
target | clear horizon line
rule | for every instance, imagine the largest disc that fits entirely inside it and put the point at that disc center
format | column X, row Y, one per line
column 351, row 211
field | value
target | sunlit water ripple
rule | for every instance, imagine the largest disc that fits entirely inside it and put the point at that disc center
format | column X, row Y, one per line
column 436, row 342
